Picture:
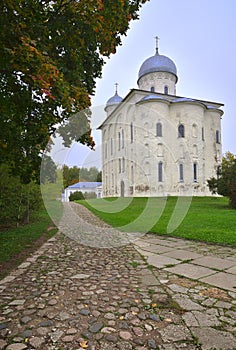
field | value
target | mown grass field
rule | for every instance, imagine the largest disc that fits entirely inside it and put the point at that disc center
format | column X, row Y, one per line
column 207, row 219
column 18, row 243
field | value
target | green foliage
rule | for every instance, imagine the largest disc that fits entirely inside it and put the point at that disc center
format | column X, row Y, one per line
column 225, row 183
column 209, row 219
column 48, row 170
column 51, row 53
column 17, row 199
column 78, row 195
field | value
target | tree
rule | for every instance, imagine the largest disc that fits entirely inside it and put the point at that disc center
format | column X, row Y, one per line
column 225, row 183
column 51, row 52
column 17, row 199
column 48, row 170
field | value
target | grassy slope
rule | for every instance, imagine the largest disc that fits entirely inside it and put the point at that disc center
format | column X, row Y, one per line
column 17, row 243
column 208, row 218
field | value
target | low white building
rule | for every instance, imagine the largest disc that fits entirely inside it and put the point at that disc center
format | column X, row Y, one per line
column 84, row 187
column 156, row 143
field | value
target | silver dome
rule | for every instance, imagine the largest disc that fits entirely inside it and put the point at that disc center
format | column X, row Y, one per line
column 157, row 63
column 114, row 100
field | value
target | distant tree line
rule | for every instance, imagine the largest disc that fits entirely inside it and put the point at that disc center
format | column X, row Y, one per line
column 75, row 174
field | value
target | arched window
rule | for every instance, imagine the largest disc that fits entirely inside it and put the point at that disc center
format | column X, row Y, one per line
column 160, row 172
column 203, row 136
column 132, row 174
column 111, row 146
column 123, row 138
column 194, row 172
column 181, row 173
column 118, row 140
column 194, row 130
column 217, row 136
column 166, row 90
column 123, row 164
column 159, row 129
column 152, row 89
column 106, row 149
column 119, row 165
column 131, row 133
column 181, row 130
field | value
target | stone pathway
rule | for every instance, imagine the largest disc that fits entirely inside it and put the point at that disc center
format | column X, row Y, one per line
column 72, row 296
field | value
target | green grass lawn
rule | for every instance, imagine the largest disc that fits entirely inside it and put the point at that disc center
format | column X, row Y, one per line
column 207, row 219
column 18, row 243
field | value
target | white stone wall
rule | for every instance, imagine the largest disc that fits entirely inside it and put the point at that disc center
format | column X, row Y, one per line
column 158, row 80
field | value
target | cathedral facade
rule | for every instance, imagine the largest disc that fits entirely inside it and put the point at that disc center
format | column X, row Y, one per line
column 155, row 143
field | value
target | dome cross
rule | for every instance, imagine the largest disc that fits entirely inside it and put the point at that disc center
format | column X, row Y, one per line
column 157, row 38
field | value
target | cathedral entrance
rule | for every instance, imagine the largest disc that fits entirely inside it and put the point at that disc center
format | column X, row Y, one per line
column 122, row 189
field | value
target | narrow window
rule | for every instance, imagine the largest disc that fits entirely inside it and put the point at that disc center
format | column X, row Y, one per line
column 203, row 136
column 194, row 172
column 119, row 165
column 123, row 164
column 217, row 136
column 159, row 129
column 131, row 133
column 123, row 138
column 111, row 146
column 106, row 150
column 181, row 173
column 132, row 174
column 152, row 89
column 118, row 140
column 194, row 130
column 181, row 130
column 166, row 90
column 160, row 171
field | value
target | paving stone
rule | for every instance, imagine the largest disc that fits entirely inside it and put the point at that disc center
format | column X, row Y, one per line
column 96, row 327
column 232, row 269
column 191, row 271
column 221, row 280
column 186, row 303
column 152, row 344
column 7, row 279
column 80, row 276
column 17, row 302
column 200, row 319
column 210, row 338
column 173, row 333
column 48, row 323
column 16, row 346
column 55, row 336
column 3, row 344
column 36, row 342
column 213, row 262
column 85, row 312
column 125, row 335
column 182, row 254
column 161, row 261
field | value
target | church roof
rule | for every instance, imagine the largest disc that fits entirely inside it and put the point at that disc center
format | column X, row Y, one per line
column 153, row 97
column 85, row 185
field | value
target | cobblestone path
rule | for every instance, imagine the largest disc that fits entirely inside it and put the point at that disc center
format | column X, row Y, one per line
column 70, row 296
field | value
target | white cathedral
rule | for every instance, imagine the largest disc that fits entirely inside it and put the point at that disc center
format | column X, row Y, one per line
column 155, row 143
